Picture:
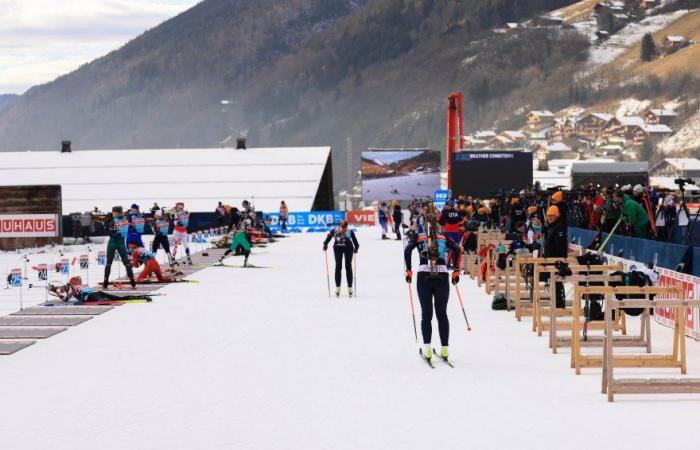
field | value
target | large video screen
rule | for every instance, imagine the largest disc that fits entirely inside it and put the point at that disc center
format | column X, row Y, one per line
column 389, row 174
column 481, row 173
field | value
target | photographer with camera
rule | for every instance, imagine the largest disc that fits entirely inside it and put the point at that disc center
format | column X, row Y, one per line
column 632, row 214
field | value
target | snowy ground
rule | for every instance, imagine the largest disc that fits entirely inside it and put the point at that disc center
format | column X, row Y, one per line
column 623, row 40
column 263, row 359
column 405, row 187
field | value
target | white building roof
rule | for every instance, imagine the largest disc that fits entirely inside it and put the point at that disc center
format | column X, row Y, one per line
column 663, row 112
column 684, row 163
column 657, row 128
column 514, row 135
column 631, row 121
column 485, row 134
column 603, row 116
column 542, row 113
column 199, row 177
column 558, row 147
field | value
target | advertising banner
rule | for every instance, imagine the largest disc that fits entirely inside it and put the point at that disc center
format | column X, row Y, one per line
column 315, row 219
column 440, row 198
column 28, row 225
column 361, row 217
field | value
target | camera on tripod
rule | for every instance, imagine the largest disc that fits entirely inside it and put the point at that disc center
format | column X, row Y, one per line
column 681, row 182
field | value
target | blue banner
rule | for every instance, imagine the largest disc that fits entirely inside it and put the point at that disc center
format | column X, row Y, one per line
column 440, row 198
column 310, row 221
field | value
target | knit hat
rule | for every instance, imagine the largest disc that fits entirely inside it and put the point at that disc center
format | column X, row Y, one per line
column 557, row 196
column 553, row 211
column 638, row 189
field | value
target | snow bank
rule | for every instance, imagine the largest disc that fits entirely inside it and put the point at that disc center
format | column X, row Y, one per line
column 606, row 52
column 631, row 107
column 686, row 138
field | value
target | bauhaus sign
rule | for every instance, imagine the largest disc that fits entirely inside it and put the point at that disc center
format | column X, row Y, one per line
column 28, row 225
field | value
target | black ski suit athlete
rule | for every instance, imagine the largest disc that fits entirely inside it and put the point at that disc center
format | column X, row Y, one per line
column 433, row 284
column 344, row 244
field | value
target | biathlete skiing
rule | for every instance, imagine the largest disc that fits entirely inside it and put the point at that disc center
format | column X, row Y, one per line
column 344, row 245
column 238, row 239
column 433, row 279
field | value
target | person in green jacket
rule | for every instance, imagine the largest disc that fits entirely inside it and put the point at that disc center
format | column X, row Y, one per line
column 117, row 227
column 632, row 213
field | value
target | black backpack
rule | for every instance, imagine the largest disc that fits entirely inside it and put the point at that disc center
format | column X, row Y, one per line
column 633, row 278
column 499, row 303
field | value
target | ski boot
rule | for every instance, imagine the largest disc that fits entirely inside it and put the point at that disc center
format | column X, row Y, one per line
column 384, row 237
column 245, row 262
column 444, row 353
column 220, row 261
column 350, row 292
column 427, row 352
column 337, row 292
column 189, row 260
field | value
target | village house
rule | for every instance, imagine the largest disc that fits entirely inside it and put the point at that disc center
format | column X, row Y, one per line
column 540, row 119
column 660, row 116
column 611, row 16
column 648, row 4
column 677, row 168
column 593, row 124
column 516, row 136
column 501, row 142
column 621, row 127
column 673, row 43
column 564, row 127
column 653, row 133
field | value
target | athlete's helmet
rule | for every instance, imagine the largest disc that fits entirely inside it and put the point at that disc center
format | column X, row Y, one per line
column 75, row 280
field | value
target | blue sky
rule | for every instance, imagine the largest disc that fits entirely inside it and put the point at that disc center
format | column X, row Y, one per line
column 43, row 39
column 389, row 157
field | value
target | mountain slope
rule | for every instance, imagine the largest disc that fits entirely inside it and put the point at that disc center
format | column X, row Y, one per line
column 7, row 101
column 305, row 72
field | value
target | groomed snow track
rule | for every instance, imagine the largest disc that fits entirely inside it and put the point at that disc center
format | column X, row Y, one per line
column 263, row 359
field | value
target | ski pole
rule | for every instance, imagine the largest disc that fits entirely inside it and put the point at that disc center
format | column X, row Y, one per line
column 413, row 311
column 459, row 296
column 354, row 273
column 328, row 276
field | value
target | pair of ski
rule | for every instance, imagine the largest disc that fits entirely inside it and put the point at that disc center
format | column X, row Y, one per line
column 429, row 360
column 248, row 266
column 125, row 284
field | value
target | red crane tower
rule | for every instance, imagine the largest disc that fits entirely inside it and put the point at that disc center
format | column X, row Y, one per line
column 455, row 130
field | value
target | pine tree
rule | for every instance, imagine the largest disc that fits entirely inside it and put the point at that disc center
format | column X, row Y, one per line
column 647, row 151
column 649, row 51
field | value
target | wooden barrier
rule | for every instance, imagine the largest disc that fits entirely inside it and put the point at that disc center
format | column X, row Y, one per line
column 677, row 358
column 580, row 275
column 596, row 360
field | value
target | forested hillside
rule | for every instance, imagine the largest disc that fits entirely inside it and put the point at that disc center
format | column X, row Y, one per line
column 302, row 72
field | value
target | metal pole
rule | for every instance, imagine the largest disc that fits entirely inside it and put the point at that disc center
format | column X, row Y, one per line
column 328, row 275
column 413, row 312
column 459, row 296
